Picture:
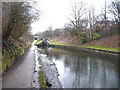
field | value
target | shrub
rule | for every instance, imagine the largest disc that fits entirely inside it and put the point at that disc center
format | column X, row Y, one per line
column 96, row 36
column 83, row 37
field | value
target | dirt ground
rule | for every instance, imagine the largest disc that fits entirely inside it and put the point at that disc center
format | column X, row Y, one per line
column 67, row 39
column 111, row 41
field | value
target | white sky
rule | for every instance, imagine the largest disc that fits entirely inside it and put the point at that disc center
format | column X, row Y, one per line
column 55, row 12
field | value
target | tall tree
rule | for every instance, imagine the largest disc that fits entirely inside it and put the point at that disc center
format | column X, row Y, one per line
column 17, row 18
column 114, row 9
column 91, row 22
column 78, row 10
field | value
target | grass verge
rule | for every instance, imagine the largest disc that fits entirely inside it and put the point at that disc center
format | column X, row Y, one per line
column 102, row 48
column 37, row 42
column 86, row 46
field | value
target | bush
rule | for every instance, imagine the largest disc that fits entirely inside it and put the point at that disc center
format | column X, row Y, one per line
column 83, row 37
column 96, row 36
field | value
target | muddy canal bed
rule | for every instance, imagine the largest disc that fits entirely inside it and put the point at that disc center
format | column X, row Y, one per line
column 77, row 69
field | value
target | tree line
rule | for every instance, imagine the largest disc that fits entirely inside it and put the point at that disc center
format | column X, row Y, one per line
column 17, row 18
column 86, row 25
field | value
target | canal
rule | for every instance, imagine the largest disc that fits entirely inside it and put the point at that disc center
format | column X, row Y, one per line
column 78, row 69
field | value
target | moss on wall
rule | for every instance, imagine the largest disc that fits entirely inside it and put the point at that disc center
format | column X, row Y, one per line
column 10, row 52
column 42, row 80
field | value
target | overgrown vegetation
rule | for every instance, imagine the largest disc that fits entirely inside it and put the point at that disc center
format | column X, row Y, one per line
column 42, row 79
column 96, row 36
column 11, row 53
column 16, row 19
column 16, row 25
column 83, row 36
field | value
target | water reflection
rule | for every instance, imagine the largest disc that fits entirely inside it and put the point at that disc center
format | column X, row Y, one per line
column 84, row 70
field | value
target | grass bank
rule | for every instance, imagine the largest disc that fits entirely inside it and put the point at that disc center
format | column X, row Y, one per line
column 37, row 42
column 89, row 47
column 96, row 48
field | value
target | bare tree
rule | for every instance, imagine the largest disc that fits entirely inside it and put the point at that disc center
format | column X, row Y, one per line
column 103, row 20
column 91, row 22
column 105, row 14
column 114, row 9
column 17, row 19
column 78, row 10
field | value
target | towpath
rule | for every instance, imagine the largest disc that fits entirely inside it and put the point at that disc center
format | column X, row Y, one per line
column 21, row 73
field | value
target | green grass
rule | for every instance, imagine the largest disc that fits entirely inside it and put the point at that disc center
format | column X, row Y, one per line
column 42, row 80
column 85, row 46
column 38, row 41
column 53, row 42
column 42, row 77
column 102, row 48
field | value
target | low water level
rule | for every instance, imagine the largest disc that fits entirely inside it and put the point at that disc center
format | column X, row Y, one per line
column 84, row 69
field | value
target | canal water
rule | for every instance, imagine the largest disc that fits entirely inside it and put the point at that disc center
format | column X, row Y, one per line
column 78, row 69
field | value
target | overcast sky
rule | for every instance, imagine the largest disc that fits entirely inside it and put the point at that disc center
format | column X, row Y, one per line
column 55, row 12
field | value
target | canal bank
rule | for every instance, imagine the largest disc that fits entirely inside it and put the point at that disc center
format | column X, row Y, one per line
column 48, row 70
column 95, row 50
